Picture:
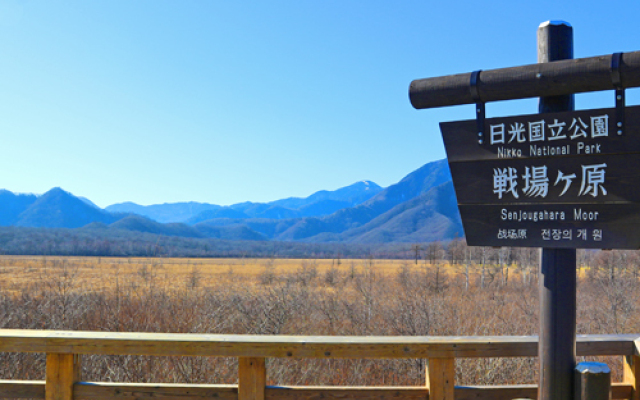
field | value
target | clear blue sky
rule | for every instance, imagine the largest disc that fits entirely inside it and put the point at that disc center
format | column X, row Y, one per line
column 229, row 101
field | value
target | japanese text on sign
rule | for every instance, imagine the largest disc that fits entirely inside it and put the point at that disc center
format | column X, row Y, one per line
column 536, row 181
column 542, row 130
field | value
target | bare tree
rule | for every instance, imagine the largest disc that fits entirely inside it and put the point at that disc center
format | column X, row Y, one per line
column 416, row 249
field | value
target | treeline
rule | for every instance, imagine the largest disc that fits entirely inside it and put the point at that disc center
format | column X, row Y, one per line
column 124, row 243
column 456, row 252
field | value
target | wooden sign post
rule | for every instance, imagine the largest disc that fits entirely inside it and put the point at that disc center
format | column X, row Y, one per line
column 557, row 281
column 560, row 179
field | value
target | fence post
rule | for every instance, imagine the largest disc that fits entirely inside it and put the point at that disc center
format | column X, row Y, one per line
column 441, row 376
column 62, row 371
column 252, row 378
column 592, row 381
column 631, row 374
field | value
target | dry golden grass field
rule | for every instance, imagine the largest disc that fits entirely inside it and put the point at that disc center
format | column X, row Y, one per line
column 100, row 273
column 302, row 297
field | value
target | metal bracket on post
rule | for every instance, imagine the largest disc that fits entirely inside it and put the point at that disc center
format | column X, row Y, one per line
column 480, row 110
column 616, row 60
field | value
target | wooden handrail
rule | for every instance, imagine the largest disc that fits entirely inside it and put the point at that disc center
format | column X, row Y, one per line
column 110, row 391
column 361, row 347
column 64, row 347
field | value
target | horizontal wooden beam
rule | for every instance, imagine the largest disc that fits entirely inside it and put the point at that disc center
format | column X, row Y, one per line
column 22, row 389
column 535, row 80
column 508, row 392
column 341, row 393
column 164, row 391
column 128, row 391
column 361, row 347
column 496, row 392
column 131, row 391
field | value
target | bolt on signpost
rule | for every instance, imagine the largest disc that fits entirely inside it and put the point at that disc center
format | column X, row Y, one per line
column 560, row 179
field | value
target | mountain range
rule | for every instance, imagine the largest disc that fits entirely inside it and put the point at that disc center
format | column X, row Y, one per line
column 318, row 204
column 421, row 207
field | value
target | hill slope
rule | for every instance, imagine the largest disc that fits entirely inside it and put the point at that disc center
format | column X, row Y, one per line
column 11, row 205
column 351, row 195
column 142, row 224
column 167, row 212
column 416, row 183
column 428, row 217
column 60, row 209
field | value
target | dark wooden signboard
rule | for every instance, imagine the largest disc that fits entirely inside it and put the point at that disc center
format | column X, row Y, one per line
column 554, row 180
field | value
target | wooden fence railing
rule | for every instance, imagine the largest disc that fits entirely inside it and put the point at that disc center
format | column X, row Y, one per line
column 64, row 350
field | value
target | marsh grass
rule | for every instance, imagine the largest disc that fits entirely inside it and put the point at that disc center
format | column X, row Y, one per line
column 298, row 297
